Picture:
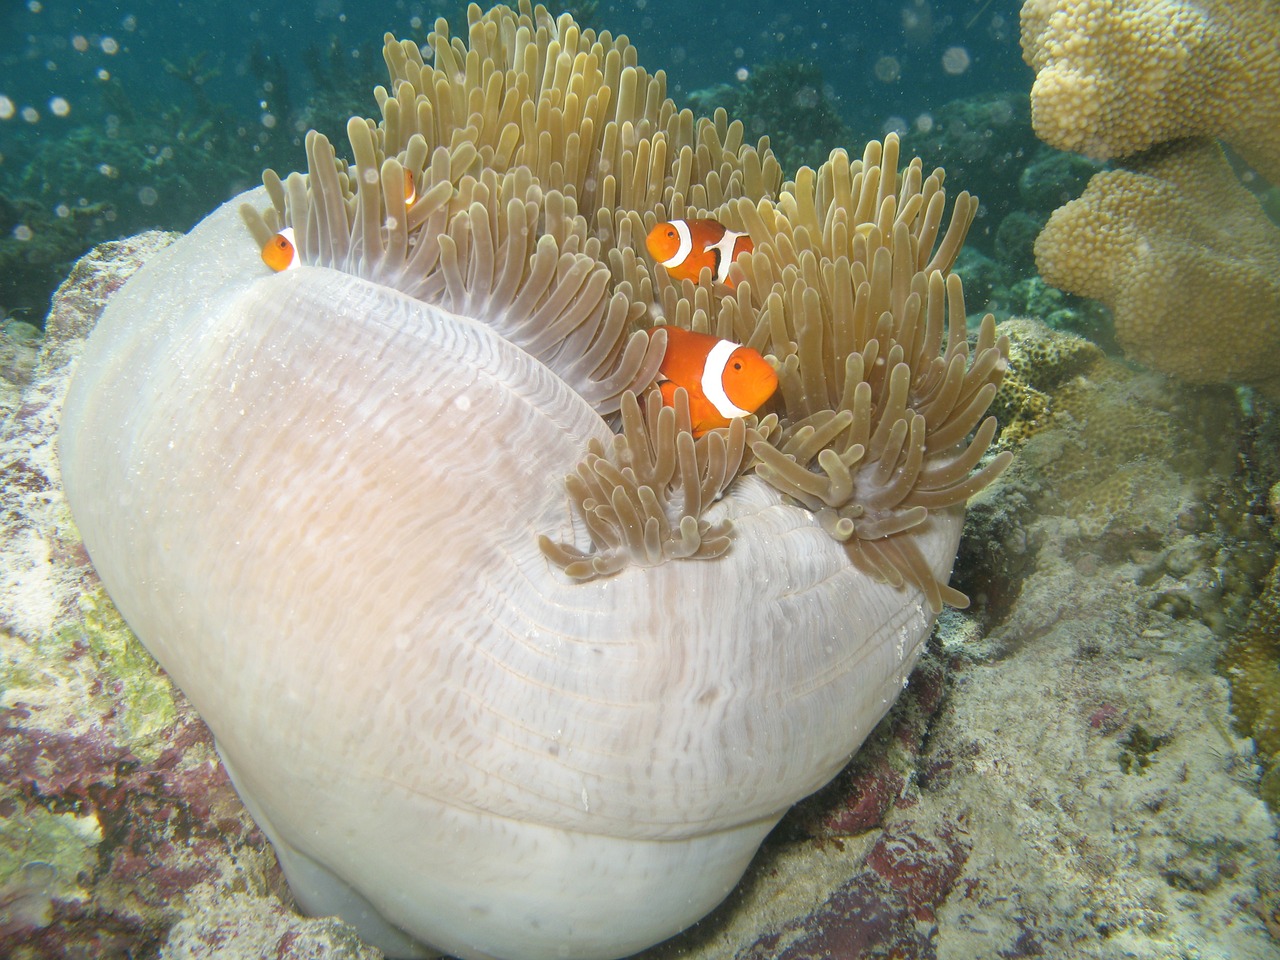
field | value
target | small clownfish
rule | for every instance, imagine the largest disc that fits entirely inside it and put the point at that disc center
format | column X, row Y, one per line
column 280, row 252
column 684, row 247
column 724, row 379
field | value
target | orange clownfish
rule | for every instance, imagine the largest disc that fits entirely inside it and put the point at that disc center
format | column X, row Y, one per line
column 724, row 379
column 280, row 252
column 684, row 247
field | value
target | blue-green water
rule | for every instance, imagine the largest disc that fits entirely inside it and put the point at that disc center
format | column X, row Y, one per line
column 116, row 118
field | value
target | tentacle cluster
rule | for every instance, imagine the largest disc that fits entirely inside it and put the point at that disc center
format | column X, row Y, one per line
column 642, row 498
column 880, row 387
column 540, row 155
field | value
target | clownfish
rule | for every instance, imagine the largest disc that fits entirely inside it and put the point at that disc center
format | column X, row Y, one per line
column 684, row 247
column 724, row 379
column 280, row 252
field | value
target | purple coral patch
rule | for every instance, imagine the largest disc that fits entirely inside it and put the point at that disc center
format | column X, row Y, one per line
column 863, row 918
column 921, row 867
column 887, row 909
column 165, row 825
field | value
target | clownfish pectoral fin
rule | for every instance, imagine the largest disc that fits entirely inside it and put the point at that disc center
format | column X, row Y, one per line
column 281, row 252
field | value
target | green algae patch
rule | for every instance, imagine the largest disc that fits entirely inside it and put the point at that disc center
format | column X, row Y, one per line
column 95, row 666
column 142, row 692
column 42, row 856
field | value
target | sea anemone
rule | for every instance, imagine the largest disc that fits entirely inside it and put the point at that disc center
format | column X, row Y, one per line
column 505, row 661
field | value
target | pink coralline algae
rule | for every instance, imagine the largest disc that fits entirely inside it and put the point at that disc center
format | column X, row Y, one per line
column 884, row 910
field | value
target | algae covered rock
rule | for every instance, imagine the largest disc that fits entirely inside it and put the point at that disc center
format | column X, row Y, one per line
column 116, row 819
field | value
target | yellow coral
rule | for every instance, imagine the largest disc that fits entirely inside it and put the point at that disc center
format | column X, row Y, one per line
column 1114, row 77
column 1184, row 258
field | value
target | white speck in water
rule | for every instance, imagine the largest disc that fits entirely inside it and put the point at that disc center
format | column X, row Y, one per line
column 462, row 402
column 955, row 60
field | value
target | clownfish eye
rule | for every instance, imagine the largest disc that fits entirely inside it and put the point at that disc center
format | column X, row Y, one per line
column 737, row 365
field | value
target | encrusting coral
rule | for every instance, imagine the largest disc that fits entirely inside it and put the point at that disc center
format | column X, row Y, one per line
column 534, row 194
column 1114, row 77
column 1252, row 663
column 1171, row 235
column 550, row 717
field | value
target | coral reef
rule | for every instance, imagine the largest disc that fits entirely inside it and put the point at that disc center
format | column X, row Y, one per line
column 1113, row 79
column 1041, row 361
column 1169, row 241
column 993, row 793
column 1172, row 235
column 1252, row 659
column 1060, row 778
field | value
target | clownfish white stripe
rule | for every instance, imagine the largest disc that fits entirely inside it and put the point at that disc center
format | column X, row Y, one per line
column 713, row 380
column 686, row 245
column 724, row 257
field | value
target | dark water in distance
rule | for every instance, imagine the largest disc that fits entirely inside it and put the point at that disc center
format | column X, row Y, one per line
column 120, row 117
column 881, row 59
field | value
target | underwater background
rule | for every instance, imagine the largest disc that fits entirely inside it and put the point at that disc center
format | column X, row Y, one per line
column 119, row 118
column 1084, row 764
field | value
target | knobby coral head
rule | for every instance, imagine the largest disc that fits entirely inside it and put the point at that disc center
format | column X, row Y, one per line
column 503, row 658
